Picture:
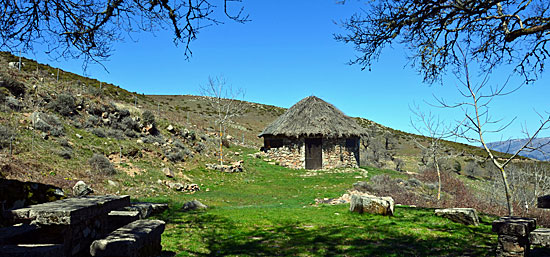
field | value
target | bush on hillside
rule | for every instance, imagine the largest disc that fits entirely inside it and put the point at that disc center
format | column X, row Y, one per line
column 176, row 156
column 48, row 123
column 64, row 104
column 101, row 164
column 148, row 118
column 15, row 87
column 65, row 153
column 6, row 135
column 99, row 132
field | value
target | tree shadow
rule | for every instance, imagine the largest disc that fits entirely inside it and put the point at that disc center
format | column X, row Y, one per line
column 221, row 237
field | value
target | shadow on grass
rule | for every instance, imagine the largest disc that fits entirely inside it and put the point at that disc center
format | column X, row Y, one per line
column 220, row 236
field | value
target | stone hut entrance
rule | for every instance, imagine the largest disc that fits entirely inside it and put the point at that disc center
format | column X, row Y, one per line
column 313, row 134
column 314, row 153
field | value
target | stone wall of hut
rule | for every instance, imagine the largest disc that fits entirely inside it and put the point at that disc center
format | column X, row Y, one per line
column 291, row 154
column 336, row 153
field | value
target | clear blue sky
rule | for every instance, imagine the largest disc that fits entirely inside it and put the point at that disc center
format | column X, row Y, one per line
column 287, row 52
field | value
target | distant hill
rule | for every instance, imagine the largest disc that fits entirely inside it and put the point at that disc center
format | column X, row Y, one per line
column 511, row 146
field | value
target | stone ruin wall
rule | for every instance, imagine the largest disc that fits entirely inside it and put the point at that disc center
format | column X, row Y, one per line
column 335, row 154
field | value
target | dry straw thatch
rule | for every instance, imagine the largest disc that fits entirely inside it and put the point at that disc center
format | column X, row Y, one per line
column 314, row 117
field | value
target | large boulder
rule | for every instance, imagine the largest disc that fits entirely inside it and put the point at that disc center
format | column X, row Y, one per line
column 193, row 205
column 466, row 216
column 372, row 204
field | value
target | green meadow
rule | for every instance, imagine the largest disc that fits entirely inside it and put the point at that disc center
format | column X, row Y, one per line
column 268, row 210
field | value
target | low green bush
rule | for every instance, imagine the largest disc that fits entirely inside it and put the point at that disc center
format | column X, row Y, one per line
column 101, row 164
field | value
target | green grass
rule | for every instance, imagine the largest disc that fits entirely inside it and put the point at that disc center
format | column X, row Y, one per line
column 268, row 211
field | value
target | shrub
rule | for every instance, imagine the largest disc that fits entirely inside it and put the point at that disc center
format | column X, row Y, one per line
column 178, row 144
column 225, row 143
column 199, row 147
column 152, row 139
column 63, row 142
column 128, row 123
column 15, row 87
column 148, row 118
column 13, row 103
column 101, row 164
column 130, row 133
column 91, row 122
column 6, row 135
column 99, row 132
column 114, row 133
column 65, row 153
column 176, row 156
column 48, row 123
column 64, row 104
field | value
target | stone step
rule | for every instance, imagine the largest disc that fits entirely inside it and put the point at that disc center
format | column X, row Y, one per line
column 117, row 219
column 540, row 236
column 11, row 234
column 139, row 238
column 32, row 250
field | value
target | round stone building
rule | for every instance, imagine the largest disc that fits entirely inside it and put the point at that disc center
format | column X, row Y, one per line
column 313, row 134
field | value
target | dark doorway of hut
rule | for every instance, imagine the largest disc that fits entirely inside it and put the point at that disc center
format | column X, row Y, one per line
column 314, row 153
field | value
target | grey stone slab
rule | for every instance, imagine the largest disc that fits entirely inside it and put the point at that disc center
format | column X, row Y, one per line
column 466, row 216
column 540, row 236
column 517, row 226
column 32, row 250
column 71, row 210
column 139, row 238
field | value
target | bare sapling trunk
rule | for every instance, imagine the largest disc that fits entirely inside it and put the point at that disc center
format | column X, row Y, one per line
column 477, row 122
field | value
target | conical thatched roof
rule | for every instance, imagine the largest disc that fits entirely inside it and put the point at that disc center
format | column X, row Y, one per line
column 313, row 116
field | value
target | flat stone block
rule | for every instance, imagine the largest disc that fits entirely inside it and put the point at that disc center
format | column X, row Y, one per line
column 543, row 202
column 139, row 238
column 540, row 236
column 466, row 216
column 71, row 210
column 516, row 226
column 32, row 250
column 372, row 204
column 147, row 209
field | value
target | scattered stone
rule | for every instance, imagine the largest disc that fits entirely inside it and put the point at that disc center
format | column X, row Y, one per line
column 168, row 172
column 139, row 238
column 229, row 137
column 234, row 167
column 81, row 189
column 112, row 183
column 156, row 143
column 139, row 141
column 79, row 136
column 193, row 205
column 44, row 135
column 372, row 204
column 171, row 128
column 175, row 185
column 466, row 216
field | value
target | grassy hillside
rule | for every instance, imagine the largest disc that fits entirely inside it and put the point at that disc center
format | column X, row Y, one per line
column 59, row 131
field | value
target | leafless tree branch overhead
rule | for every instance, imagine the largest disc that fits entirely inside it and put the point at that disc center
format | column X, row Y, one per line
column 497, row 32
column 87, row 28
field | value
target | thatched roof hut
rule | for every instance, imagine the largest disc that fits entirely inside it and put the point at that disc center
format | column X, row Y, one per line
column 313, row 117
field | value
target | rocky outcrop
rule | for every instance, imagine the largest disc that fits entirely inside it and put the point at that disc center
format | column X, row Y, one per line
column 466, row 216
column 372, row 204
column 234, row 167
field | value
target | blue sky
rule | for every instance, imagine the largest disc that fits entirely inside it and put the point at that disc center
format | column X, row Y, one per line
column 287, row 52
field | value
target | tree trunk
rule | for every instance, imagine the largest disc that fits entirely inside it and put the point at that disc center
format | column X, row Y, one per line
column 221, row 145
column 507, row 190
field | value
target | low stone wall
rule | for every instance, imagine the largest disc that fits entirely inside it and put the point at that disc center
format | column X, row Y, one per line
column 17, row 194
